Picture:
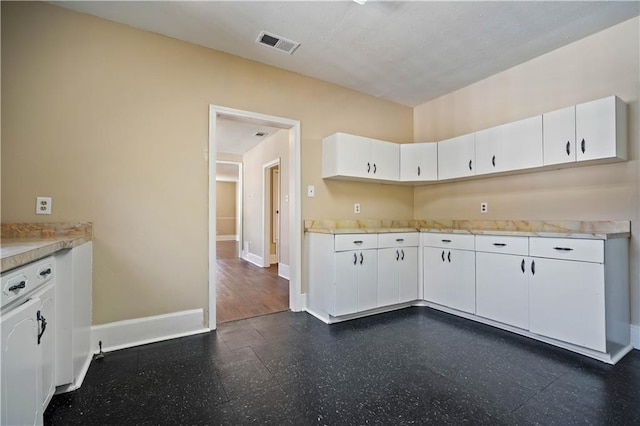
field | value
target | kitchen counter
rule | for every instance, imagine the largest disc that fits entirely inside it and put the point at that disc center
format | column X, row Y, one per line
column 601, row 230
column 23, row 243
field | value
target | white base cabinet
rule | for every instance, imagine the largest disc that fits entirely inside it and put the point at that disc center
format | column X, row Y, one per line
column 397, row 268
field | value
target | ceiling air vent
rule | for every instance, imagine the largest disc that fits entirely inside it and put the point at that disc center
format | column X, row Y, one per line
column 275, row 41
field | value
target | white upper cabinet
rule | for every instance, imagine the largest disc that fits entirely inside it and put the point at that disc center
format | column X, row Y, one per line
column 418, row 162
column 559, row 136
column 511, row 146
column 359, row 158
column 456, row 157
column 601, row 130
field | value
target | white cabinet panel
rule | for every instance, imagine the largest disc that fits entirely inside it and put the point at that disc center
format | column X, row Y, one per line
column 345, row 242
column 356, row 157
column 456, row 157
column 449, row 278
column 388, row 276
column 601, row 129
column 346, row 283
column 418, row 162
column 21, row 394
column 511, row 146
column 435, row 275
column 567, row 249
column 567, row 302
column 399, row 239
column 47, row 309
column 503, row 244
column 502, row 288
column 559, row 136
column 408, row 274
column 448, row 240
column 367, row 280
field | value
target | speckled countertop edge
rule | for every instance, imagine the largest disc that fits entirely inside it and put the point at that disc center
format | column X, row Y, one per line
column 43, row 239
column 601, row 230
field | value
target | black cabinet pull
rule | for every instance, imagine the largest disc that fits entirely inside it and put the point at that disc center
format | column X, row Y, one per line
column 357, row 242
column 374, row 168
column 499, row 244
column 449, row 257
column 399, row 240
column 443, row 255
column 522, row 266
column 45, row 272
column 470, row 165
column 493, row 160
column 43, row 325
column 582, row 145
column 361, row 258
column 402, row 258
column 21, row 284
column 446, row 241
column 533, row 267
column 563, row 248
column 568, row 148
column 355, row 258
column 397, row 255
column 418, row 170
column 368, row 167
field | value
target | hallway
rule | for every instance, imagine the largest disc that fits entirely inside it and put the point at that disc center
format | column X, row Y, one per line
column 245, row 290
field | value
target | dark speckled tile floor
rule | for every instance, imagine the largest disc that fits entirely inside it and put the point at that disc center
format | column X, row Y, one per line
column 414, row 366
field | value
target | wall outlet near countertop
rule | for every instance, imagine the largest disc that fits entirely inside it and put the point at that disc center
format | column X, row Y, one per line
column 484, row 207
column 43, row 205
column 356, row 208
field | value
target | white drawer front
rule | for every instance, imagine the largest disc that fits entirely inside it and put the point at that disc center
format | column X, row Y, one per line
column 449, row 241
column 503, row 244
column 404, row 239
column 567, row 249
column 346, row 242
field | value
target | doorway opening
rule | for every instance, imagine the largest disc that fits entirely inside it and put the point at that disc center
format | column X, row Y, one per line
column 278, row 239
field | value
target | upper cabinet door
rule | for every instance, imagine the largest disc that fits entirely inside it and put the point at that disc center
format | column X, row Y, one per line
column 346, row 155
column 601, row 129
column 456, row 157
column 511, row 146
column 559, row 136
column 418, row 162
column 385, row 159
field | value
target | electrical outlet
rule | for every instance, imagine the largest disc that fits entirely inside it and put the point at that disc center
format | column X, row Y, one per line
column 356, row 208
column 43, row 205
column 311, row 191
column 484, row 207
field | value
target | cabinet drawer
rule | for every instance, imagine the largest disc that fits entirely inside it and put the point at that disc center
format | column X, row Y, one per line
column 404, row 239
column 356, row 242
column 568, row 249
column 503, row 244
column 447, row 240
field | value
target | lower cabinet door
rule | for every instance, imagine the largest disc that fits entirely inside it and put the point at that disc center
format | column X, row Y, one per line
column 408, row 274
column 502, row 288
column 346, row 283
column 388, row 276
column 367, row 280
column 21, row 395
column 566, row 302
column 435, row 275
column 461, row 280
column 47, row 343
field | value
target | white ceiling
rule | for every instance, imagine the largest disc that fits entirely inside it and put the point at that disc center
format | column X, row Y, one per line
column 408, row 52
column 238, row 137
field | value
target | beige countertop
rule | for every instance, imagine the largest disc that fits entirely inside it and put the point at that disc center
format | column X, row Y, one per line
column 532, row 228
column 23, row 243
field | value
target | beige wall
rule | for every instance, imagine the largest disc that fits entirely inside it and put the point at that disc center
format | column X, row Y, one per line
column 601, row 65
column 112, row 122
column 225, row 208
column 273, row 148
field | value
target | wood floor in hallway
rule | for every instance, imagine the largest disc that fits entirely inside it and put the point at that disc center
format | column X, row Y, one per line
column 245, row 290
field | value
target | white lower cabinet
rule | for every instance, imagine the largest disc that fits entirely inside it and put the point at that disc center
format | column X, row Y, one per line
column 449, row 272
column 567, row 302
column 397, row 275
column 355, row 282
column 47, row 315
column 502, row 288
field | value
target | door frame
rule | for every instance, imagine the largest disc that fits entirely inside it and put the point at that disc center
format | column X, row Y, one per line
column 239, row 202
column 296, row 297
column 266, row 212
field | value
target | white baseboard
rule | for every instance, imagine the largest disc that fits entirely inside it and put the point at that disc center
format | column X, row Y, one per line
column 81, row 375
column 140, row 331
column 226, row 238
column 252, row 258
column 302, row 302
column 283, row 271
column 635, row 336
